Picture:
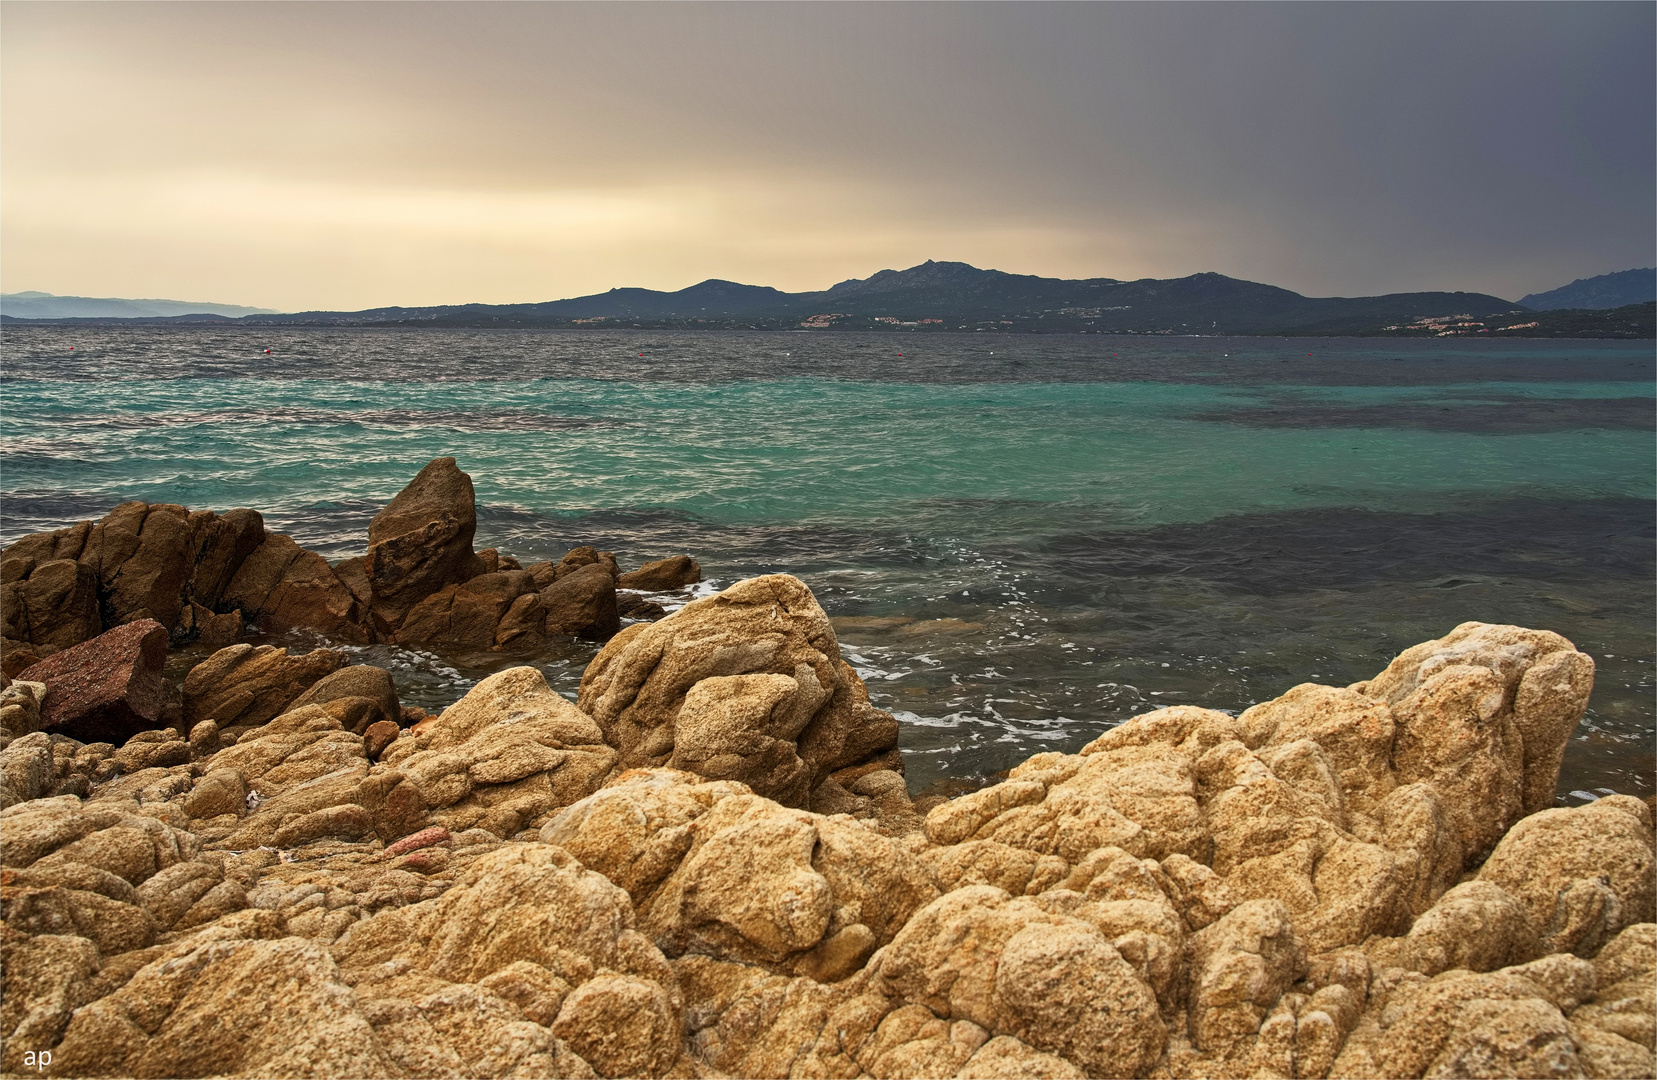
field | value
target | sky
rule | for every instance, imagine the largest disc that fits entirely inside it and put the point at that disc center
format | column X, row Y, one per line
column 342, row 156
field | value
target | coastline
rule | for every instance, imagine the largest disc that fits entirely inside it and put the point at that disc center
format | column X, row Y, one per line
column 708, row 864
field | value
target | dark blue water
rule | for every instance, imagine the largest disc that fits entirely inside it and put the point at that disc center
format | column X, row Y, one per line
column 1077, row 528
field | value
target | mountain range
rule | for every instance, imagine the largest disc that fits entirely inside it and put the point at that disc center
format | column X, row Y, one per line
column 956, row 296
column 44, row 305
column 1605, row 291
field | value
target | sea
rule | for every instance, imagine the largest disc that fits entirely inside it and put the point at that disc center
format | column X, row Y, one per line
column 1024, row 539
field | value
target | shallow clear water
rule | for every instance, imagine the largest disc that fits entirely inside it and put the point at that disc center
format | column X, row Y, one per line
column 1079, row 528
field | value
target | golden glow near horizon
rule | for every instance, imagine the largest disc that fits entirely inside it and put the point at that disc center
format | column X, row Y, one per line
column 354, row 155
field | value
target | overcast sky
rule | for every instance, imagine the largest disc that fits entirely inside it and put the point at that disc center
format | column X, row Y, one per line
column 342, row 156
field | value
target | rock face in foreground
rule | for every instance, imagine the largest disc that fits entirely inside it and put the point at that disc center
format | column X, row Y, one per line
column 705, row 867
column 747, row 685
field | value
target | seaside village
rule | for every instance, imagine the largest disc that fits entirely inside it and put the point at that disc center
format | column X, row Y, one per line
column 709, row 865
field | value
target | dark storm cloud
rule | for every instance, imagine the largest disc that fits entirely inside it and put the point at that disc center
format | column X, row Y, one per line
column 511, row 152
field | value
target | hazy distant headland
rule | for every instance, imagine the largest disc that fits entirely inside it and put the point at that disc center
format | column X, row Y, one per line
column 43, row 305
column 953, row 296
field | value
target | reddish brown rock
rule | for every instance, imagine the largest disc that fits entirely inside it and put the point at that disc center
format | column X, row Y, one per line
column 425, row 838
column 583, row 603
column 107, row 689
column 54, row 607
column 466, row 614
column 281, row 586
column 220, row 544
column 422, row 540
column 44, row 547
column 142, row 555
column 379, row 736
column 663, row 574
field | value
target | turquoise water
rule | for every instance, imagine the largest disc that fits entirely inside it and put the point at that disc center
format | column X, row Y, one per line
column 1080, row 528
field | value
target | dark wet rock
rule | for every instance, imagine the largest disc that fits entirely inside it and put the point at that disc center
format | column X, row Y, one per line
column 663, row 574
column 583, row 603
column 281, row 586
column 106, row 689
column 466, row 614
column 630, row 605
column 422, row 540
column 54, row 607
column 141, row 554
column 206, row 626
column 221, row 543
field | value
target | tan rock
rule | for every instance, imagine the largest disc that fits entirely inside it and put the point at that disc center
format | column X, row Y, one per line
column 1006, row 1058
column 622, row 1025
column 226, row 1007
column 1463, row 1024
column 1239, row 967
column 466, row 1030
column 357, row 681
column 1010, row 967
column 511, row 738
column 20, row 708
column 262, row 827
column 635, row 831
column 246, row 684
column 1483, row 715
column 394, row 805
column 765, row 884
column 47, row 978
column 293, row 749
column 637, row 686
column 25, row 769
column 744, row 727
column 1141, row 798
column 1582, row 874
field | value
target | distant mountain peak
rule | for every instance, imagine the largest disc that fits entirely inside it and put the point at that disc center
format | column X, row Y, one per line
column 1605, row 291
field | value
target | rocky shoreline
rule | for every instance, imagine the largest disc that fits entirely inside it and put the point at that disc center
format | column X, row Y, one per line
column 709, row 864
